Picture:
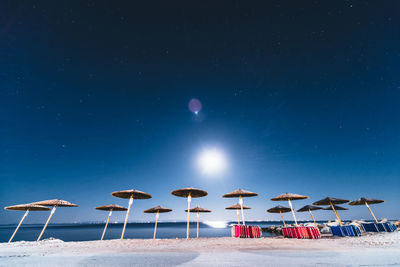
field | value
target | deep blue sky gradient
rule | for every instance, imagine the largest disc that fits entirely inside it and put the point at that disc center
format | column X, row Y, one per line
column 301, row 96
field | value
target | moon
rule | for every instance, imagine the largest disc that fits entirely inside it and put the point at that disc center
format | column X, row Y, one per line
column 211, row 161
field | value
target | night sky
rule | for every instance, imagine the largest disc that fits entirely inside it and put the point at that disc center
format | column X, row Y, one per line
column 300, row 96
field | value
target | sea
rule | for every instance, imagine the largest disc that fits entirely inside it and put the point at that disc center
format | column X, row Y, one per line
column 94, row 230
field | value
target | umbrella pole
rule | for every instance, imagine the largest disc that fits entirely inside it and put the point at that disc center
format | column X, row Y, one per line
column 284, row 224
column 237, row 213
column 127, row 215
column 337, row 215
column 105, row 228
column 155, row 226
column 48, row 220
column 366, row 204
column 198, row 217
column 241, row 208
column 20, row 222
column 294, row 216
column 188, row 216
column 313, row 219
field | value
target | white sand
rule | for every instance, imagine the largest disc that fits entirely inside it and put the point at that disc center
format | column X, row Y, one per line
column 378, row 249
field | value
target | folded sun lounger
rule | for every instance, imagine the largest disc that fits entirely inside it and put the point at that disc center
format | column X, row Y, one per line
column 246, row 231
column 301, row 232
column 337, row 231
column 357, row 230
column 381, row 227
column 370, row 227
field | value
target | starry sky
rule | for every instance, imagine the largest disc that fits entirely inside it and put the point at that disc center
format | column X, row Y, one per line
column 300, row 96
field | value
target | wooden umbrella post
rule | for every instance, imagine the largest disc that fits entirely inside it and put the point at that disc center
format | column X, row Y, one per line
column 241, row 208
column 366, row 204
column 337, row 215
column 47, row 222
column 283, row 220
column 198, row 217
column 127, row 215
column 188, row 216
column 294, row 216
column 238, row 215
column 315, row 223
column 105, row 228
column 155, row 226
column 20, row 222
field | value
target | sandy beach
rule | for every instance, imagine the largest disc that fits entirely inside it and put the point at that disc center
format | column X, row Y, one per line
column 375, row 250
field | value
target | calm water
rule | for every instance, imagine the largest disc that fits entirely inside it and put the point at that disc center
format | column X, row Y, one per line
column 93, row 231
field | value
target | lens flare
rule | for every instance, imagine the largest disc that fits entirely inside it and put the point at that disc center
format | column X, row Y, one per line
column 195, row 106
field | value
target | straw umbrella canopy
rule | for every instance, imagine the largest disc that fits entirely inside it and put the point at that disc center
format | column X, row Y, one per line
column 309, row 208
column 130, row 194
column 198, row 210
column 189, row 192
column 157, row 210
column 280, row 210
column 367, row 201
column 240, row 193
column 289, row 197
column 26, row 208
column 110, row 208
column 237, row 207
column 336, row 207
column 53, row 203
column 331, row 201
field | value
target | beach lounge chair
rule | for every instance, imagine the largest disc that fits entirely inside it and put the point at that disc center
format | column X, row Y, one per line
column 356, row 230
column 255, row 231
column 370, row 227
column 381, row 227
column 289, row 232
column 246, row 231
column 337, row 231
column 387, row 227
column 350, row 230
column 345, row 230
column 301, row 232
column 315, row 232
column 393, row 227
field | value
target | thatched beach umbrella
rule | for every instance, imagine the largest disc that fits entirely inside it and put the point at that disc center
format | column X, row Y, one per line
column 309, row 208
column 130, row 194
column 331, row 201
column 109, row 208
column 367, row 202
column 280, row 210
column 189, row 192
column 336, row 207
column 289, row 197
column 52, row 203
column 157, row 210
column 198, row 210
column 240, row 194
column 237, row 207
column 26, row 208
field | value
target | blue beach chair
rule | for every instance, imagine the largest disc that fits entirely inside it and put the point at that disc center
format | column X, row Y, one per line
column 345, row 230
column 387, row 227
column 381, row 227
column 350, row 230
column 392, row 227
column 337, row 231
column 357, row 231
column 370, row 227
